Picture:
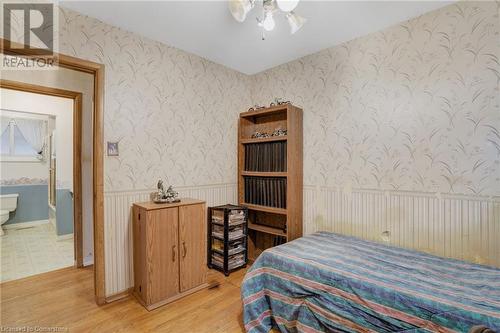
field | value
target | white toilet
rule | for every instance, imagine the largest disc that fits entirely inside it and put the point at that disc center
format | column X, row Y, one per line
column 8, row 203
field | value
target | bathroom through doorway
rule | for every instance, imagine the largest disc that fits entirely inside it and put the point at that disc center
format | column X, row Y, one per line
column 41, row 179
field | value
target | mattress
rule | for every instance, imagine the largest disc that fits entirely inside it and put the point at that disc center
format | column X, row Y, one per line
column 327, row 282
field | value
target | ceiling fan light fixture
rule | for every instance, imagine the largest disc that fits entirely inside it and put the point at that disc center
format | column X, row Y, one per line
column 240, row 8
column 268, row 23
column 295, row 21
column 287, row 5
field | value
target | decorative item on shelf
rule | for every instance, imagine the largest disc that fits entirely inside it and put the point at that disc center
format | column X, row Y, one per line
column 240, row 8
column 258, row 134
column 279, row 101
column 164, row 196
column 279, row 132
column 256, row 107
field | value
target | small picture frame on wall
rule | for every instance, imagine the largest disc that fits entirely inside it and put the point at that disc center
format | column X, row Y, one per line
column 113, row 149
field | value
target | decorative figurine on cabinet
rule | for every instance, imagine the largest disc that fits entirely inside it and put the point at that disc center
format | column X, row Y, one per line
column 165, row 196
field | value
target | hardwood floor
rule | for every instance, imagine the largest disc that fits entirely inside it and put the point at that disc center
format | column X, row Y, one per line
column 65, row 298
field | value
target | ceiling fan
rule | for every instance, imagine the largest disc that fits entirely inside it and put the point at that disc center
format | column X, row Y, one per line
column 240, row 8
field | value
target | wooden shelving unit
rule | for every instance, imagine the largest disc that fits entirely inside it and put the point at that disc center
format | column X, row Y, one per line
column 268, row 222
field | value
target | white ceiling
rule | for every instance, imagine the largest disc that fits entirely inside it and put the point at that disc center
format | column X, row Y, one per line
column 207, row 29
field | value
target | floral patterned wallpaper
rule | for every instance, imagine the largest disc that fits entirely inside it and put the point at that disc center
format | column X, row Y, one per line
column 413, row 107
column 173, row 113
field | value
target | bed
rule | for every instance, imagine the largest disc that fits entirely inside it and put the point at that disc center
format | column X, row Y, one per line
column 327, row 282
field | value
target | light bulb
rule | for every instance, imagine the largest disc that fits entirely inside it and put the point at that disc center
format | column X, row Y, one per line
column 287, row 5
column 296, row 22
column 268, row 23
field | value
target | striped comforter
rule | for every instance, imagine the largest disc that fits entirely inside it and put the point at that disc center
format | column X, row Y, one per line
column 326, row 282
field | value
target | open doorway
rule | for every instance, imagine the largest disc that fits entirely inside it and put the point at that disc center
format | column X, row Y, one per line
column 96, row 70
column 41, row 179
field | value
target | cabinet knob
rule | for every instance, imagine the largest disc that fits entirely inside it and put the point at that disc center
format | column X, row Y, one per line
column 173, row 253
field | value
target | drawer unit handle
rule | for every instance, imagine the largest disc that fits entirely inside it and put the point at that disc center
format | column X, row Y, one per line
column 184, row 248
column 173, row 253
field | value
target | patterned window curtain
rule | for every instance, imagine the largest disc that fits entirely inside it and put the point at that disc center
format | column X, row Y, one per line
column 34, row 131
column 4, row 123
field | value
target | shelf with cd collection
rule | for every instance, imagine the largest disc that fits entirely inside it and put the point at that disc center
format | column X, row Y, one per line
column 270, row 175
column 227, row 238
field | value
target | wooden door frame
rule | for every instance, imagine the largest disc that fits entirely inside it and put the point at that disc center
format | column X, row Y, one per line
column 97, row 70
column 77, row 152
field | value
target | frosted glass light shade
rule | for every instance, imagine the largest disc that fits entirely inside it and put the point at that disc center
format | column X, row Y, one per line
column 287, row 5
column 240, row 8
column 268, row 24
column 296, row 22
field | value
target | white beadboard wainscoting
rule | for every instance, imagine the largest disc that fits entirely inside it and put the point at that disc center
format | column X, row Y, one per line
column 456, row 226
column 118, row 227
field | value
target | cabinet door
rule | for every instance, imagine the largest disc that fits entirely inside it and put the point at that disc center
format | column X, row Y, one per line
column 163, row 254
column 193, row 246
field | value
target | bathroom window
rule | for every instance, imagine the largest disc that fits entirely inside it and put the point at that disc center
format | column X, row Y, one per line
column 22, row 139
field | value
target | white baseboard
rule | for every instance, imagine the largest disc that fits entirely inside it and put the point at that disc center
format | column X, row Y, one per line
column 23, row 225
column 64, row 237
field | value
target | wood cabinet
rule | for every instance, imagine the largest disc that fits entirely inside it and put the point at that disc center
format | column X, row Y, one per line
column 169, row 251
